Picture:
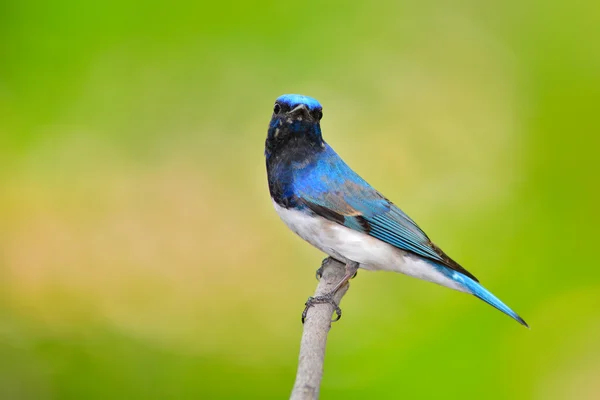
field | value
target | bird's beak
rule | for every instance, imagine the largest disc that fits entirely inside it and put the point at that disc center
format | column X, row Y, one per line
column 299, row 112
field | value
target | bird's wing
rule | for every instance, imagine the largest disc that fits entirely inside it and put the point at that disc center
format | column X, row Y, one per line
column 332, row 190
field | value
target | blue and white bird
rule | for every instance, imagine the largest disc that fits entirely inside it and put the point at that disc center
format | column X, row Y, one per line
column 326, row 203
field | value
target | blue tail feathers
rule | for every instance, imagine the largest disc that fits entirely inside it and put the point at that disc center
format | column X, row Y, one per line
column 477, row 290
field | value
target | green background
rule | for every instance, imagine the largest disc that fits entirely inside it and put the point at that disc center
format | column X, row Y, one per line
column 140, row 257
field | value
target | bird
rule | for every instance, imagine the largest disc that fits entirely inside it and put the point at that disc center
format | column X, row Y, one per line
column 321, row 199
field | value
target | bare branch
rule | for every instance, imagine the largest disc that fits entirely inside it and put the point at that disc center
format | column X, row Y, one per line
column 314, row 336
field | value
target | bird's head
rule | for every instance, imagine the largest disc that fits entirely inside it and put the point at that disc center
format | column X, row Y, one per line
column 295, row 121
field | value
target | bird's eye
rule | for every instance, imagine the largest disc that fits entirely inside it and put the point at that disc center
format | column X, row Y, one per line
column 277, row 108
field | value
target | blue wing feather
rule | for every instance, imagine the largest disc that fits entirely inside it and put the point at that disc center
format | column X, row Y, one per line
column 330, row 188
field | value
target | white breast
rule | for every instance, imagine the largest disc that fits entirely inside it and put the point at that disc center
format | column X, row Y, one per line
column 345, row 244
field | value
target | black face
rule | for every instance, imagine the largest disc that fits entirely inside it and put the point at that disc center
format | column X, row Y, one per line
column 295, row 126
column 298, row 110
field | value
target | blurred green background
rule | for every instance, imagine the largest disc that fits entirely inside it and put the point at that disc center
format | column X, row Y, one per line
column 140, row 257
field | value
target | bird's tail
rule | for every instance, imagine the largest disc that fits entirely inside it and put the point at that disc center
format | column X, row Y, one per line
column 477, row 290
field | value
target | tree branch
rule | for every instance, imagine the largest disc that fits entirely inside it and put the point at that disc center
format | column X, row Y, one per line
column 314, row 336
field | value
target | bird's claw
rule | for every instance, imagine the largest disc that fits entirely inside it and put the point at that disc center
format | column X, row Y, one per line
column 328, row 298
column 319, row 273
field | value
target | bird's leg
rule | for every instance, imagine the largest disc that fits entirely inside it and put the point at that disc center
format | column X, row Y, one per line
column 351, row 270
column 319, row 272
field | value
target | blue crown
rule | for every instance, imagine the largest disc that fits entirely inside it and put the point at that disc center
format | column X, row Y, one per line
column 293, row 100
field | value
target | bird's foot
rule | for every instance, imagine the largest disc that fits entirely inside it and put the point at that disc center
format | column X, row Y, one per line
column 319, row 273
column 328, row 298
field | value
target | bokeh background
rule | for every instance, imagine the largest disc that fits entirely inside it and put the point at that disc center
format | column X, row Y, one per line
column 140, row 257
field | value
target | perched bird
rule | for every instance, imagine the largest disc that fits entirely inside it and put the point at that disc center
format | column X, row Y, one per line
column 326, row 203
